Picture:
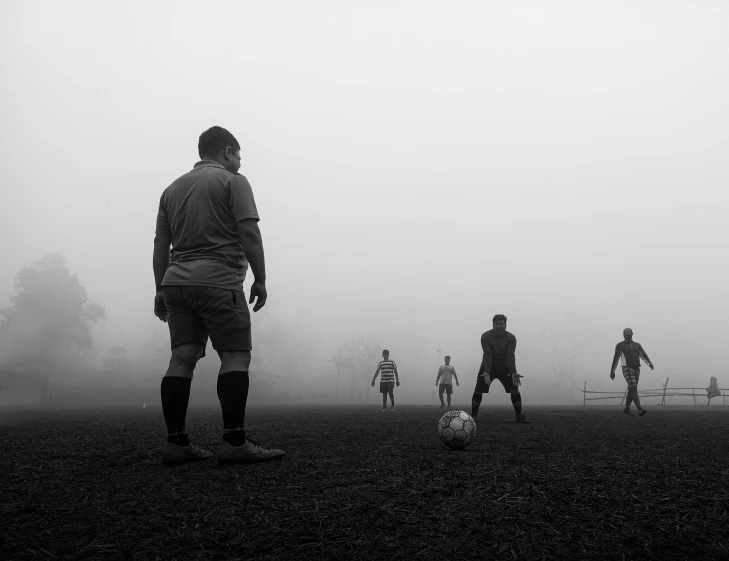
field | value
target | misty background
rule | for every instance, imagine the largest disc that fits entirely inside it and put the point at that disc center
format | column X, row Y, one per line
column 418, row 167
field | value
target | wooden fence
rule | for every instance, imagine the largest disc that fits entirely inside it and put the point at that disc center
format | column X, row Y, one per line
column 663, row 393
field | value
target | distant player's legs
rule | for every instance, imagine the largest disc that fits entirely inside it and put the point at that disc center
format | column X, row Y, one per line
column 634, row 394
column 384, row 400
column 392, row 397
column 449, row 400
column 441, row 389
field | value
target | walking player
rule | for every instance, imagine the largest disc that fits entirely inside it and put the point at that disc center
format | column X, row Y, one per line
column 209, row 218
column 445, row 375
column 388, row 371
column 630, row 354
column 499, row 363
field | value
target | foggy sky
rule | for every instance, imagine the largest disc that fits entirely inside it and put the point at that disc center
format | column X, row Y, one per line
column 418, row 166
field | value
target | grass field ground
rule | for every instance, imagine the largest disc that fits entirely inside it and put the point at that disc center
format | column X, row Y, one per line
column 358, row 483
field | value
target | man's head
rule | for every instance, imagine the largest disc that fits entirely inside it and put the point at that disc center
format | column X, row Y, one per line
column 218, row 145
column 447, row 359
column 385, row 354
column 628, row 334
column 499, row 322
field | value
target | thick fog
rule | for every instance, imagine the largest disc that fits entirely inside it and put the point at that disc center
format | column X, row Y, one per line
column 418, row 167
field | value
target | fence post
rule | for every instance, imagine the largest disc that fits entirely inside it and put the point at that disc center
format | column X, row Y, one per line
column 584, row 395
column 663, row 401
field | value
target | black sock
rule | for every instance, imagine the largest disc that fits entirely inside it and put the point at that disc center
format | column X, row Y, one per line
column 233, row 395
column 175, row 392
column 476, row 403
column 516, row 402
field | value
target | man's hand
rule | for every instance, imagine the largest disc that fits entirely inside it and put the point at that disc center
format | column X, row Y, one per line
column 651, row 366
column 258, row 290
column 160, row 308
column 612, row 375
column 398, row 383
column 457, row 384
column 373, row 383
column 515, row 378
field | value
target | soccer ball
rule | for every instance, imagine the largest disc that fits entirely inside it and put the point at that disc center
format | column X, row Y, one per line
column 457, row 429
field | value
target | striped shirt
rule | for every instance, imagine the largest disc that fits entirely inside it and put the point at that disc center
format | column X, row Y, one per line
column 387, row 371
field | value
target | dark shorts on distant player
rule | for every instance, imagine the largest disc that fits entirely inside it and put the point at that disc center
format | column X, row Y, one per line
column 387, row 387
column 195, row 313
column 447, row 388
column 503, row 377
column 631, row 376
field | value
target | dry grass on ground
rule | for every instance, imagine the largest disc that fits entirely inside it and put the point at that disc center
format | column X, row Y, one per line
column 358, row 483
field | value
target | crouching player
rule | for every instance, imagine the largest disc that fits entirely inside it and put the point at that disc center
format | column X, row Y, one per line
column 499, row 363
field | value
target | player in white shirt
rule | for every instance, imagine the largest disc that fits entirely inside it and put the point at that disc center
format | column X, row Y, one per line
column 446, row 373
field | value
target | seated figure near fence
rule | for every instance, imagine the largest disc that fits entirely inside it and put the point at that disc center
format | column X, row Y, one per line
column 630, row 353
column 713, row 389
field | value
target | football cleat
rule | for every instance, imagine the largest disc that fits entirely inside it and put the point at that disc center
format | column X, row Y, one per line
column 247, row 453
column 176, row 454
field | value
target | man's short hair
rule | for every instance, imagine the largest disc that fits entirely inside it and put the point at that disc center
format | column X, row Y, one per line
column 385, row 351
column 499, row 317
column 448, row 356
column 214, row 140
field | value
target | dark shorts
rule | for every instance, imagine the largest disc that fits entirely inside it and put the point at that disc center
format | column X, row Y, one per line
column 503, row 377
column 387, row 387
column 447, row 388
column 195, row 313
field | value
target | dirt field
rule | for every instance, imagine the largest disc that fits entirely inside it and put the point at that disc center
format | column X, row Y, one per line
column 358, row 483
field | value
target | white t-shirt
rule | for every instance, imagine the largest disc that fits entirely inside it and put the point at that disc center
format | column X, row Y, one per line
column 446, row 373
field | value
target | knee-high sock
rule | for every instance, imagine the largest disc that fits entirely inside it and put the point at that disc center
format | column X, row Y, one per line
column 516, row 402
column 233, row 396
column 476, row 403
column 175, row 394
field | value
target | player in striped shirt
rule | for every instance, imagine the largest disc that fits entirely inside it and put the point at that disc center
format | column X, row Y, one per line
column 387, row 369
column 630, row 354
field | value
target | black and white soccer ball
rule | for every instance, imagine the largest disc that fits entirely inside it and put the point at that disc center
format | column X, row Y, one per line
column 457, row 429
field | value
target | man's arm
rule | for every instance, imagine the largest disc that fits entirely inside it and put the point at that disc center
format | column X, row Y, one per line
column 160, row 259
column 485, row 349
column 440, row 371
column 456, row 377
column 644, row 356
column 615, row 361
column 160, row 262
column 252, row 242
column 376, row 373
column 511, row 354
column 397, row 378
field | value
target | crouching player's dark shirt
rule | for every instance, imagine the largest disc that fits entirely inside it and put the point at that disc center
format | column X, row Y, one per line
column 498, row 353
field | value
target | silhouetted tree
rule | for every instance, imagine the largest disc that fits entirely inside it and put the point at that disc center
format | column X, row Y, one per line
column 50, row 317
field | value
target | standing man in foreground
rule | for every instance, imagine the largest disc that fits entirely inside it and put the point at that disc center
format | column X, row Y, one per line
column 499, row 363
column 630, row 354
column 209, row 218
column 446, row 373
